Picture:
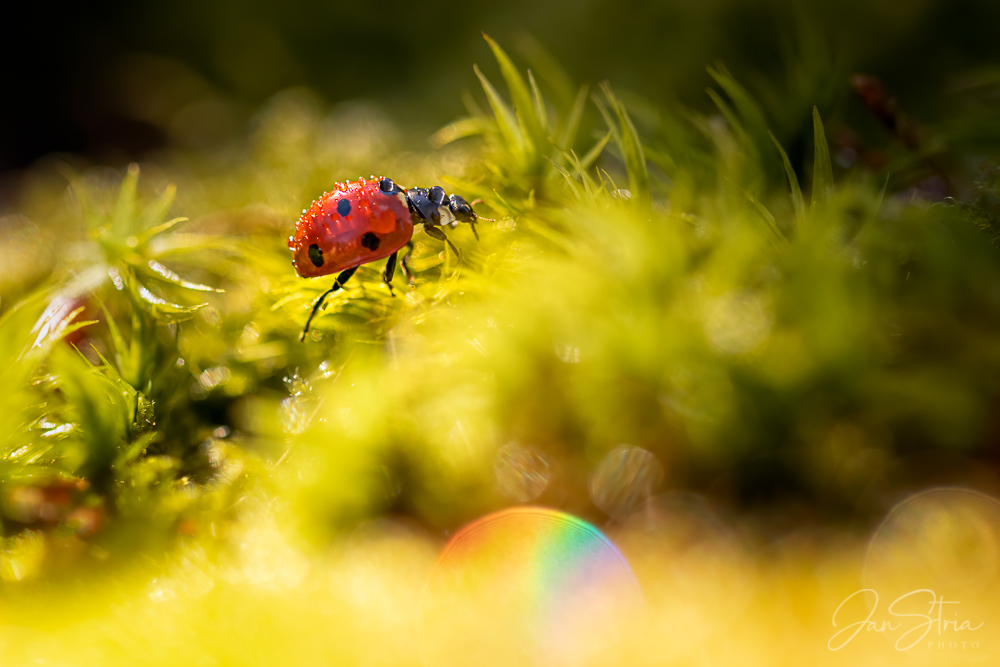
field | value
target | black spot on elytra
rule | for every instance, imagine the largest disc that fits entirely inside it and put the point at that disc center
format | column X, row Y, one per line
column 370, row 241
column 343, row 207
column 315, row 255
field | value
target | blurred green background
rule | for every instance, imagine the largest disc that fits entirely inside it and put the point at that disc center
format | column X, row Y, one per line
column 119, row 79
column 253, row 109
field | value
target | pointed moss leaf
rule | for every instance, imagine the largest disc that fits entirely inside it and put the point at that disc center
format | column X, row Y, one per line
column 548, row 68
column 881, row 195
column 822, row 186
column 65, row 329
column 172, row 244
column 635, row 161
column 540, row 112
column 798, row 203
column 54, row 324
column 288, row 298
column 146, row 236
column 569, row 179
column 614, row 187
column 86, row 206
column 136, row 448
column 161, row 272
column 17, row 325
column 114, row 378
column 661, row 159
column 520, row 96
column 608, row 119
column 568, row 135
column 97, row 406
column 124, row 212
column 117, row 339
column 164, row 310
column 48, row 325
column 504, row 202
column 154, row 212
column 581, row 171
column 750, row 113
column 775, row 235
column 731, row 118
column 460, row 129
column 506, row 121
column 588, row 160
column 471, row 105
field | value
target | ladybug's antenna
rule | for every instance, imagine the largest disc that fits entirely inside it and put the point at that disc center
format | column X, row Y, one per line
column 479, row 217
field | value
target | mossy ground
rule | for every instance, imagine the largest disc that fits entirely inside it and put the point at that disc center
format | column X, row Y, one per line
column 798, row 342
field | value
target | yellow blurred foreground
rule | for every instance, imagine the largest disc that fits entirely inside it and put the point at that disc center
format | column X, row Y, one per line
column 921, row 590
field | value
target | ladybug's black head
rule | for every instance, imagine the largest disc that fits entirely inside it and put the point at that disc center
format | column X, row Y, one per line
column 461, row 209
column 432, row 206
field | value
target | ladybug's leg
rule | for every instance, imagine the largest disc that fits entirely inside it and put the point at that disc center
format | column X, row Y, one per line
column 390, row 269
column 337, row 284
column 404, row 262
column 435, row 232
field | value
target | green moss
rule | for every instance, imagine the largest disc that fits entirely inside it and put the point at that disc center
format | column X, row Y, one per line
column 668, row 289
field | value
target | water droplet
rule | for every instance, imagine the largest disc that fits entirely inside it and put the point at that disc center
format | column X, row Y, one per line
column 211, row 315
column 161, row 591
column 737, row 322
column 945, row 539
column 293, row 415
column 522, row 473
column 296, row 384
column 568, row 354
column 62, row 429
column 323, row 372
column 116, row 278
column 21, row 451
column 214, row 377
column 625, row 477
column 250, row 335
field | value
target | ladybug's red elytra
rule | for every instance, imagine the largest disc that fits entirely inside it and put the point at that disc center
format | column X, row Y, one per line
column 365, row 220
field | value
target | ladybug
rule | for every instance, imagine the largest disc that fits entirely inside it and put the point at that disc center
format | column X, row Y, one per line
column 365, row 220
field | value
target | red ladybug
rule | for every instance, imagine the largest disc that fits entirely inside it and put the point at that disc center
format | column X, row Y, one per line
column 362, row 221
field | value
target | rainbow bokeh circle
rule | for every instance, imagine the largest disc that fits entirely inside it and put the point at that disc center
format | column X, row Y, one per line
column 526, row 585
